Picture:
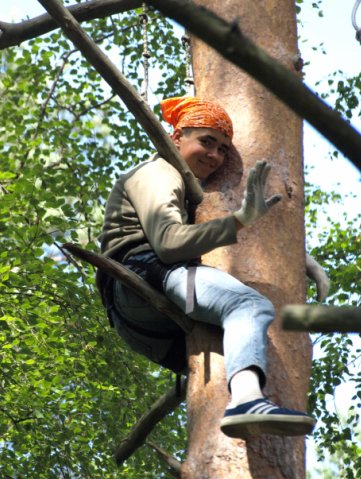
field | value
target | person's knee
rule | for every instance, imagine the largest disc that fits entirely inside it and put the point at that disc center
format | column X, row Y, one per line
column 267, row 304
column 263, row 307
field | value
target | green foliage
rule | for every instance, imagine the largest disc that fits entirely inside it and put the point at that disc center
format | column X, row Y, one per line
column 70, row 388
column 315, row 4
column 341, row 463
column 338, row 250
column 347, row 93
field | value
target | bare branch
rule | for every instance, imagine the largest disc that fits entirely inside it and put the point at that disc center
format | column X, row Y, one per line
column 322, row 319
column 174, row 464
column 95, row 107
column 3, row 190
column 165, row 404
column 52, row 89
column 135, row 283
column 17, row 421
column 69, row 258
column 15, row 33
column 134, row 102
column 230, row 42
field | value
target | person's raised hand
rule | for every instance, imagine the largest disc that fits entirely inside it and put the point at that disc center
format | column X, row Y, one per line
column 254, row 204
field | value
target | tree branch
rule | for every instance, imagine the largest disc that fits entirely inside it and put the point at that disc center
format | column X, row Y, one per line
column 52, row 89
column 165, row 404
column 135, row 283
column 230, row 42
column 134, row 102
column 173, row 464
column 322, row 319
column 15, row 33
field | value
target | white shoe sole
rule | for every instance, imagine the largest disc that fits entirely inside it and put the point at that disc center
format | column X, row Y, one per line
column 244, row 425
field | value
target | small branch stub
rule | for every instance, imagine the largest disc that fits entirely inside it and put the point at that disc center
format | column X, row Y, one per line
column 173, row 464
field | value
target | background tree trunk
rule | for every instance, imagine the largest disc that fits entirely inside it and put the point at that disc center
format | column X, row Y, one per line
column 269, row 255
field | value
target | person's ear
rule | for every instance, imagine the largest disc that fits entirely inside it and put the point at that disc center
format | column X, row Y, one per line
column 176, row 136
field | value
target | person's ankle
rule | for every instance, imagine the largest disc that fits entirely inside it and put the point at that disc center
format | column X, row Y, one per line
column 242, row 400
column 244, row 387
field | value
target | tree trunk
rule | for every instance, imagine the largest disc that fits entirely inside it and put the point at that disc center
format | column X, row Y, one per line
column 269, row 255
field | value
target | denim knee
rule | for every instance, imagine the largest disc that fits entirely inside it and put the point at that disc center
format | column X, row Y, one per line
column 260, row 305
column 264, row 308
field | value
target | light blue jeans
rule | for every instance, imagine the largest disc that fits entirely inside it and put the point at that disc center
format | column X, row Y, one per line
column 220, row 299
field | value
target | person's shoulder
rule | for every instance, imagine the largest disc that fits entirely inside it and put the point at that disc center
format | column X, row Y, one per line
column 155, row 169
column 157, row 165
column 134, row 170
column 154, row 162
column 143, row 164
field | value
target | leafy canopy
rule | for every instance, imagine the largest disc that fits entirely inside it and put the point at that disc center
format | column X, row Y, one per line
column 70, row 389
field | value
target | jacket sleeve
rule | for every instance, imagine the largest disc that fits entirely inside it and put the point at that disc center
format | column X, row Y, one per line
column 157, row 195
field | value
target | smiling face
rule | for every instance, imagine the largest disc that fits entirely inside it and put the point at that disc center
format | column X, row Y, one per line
column 204, row 149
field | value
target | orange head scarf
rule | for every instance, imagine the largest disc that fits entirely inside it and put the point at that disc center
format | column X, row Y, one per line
column 192, row 112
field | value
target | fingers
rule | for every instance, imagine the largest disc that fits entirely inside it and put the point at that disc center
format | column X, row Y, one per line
column 264, row 173
column 251, row 180
column 256, row 183
column 255, row 176
column 261, row 172
column 262, row 169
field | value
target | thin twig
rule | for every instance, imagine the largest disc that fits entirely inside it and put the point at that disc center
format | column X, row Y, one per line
column 69, row 258
column 52, row 89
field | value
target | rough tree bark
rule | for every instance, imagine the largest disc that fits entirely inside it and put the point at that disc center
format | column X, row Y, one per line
column 270, row 255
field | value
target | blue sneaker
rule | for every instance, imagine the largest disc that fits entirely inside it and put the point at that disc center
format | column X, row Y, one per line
column 263, row 417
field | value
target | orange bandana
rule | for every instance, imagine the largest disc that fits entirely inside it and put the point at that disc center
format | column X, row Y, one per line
column 192, row 112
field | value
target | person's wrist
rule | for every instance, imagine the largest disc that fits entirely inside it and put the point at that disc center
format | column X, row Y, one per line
column 237, row 223
column 241, row 218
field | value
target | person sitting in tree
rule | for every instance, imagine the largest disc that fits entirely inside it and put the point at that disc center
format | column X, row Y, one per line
column 148, row 229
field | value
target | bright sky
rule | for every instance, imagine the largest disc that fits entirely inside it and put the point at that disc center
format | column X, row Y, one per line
column 343, row 52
